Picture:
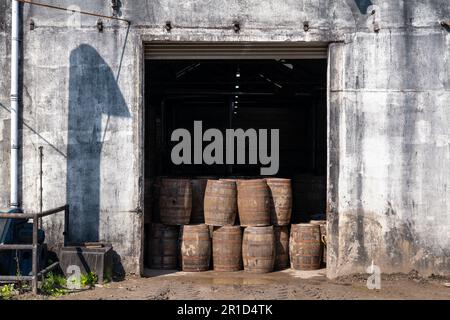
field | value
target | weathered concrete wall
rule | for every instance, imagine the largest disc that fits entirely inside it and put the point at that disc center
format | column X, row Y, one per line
column 390, row 144
column 81, row 101
column 389, row 132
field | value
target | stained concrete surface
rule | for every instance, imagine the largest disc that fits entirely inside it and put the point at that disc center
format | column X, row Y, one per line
column 389, row 139
column 287, row 284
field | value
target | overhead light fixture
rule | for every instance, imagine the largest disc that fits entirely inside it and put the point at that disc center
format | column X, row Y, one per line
column 238, row 73
column 237, row 86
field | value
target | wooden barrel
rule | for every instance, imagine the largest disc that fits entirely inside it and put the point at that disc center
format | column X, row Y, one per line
column 281, row 234
column 227, row 248
column 198, row 198
column 304, row 246
column 195, row 247
column 175, row 201
column 280, row 201
column 258, row 249
column 163, row 246
column 323, row 238
column 253, row 202
column 220, row 202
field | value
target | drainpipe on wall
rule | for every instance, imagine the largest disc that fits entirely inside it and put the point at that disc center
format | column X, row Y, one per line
column 15, row 103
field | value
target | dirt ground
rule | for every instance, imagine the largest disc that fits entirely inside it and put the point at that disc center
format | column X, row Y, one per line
column 287, row 284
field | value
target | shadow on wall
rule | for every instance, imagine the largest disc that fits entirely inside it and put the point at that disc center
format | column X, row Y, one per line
column 94, row 97
column 359, row 10
column 363, row 5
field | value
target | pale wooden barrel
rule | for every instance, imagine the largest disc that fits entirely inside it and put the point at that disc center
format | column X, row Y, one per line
column 227, row 248
column 280, row 201
column 220, row 202
column 253, row 202
column 258, row 249
column 195, row 247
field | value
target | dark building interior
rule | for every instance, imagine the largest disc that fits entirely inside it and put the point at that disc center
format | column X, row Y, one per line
column 289, row 95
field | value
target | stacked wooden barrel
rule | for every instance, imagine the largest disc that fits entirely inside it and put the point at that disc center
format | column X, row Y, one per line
column 258, row 249
column 253, row 202
column 304, row 246
column 195, row 247
column 227, row 248
column 280, row 201
column 220, row 202
column 163, row 246
column 229, row 225
column 175, row 201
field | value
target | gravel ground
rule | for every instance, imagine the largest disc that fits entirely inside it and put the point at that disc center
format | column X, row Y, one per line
column 287, row 284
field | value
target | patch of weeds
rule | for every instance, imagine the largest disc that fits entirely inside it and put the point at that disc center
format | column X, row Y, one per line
column 7, row 291
column 108, row 277
column 54, row 285
column 89, row 279
column 23, row 287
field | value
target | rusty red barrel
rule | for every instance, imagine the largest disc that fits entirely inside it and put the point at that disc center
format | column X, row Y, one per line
column 227, row 248
column 253, row 202
column 281, row 234
column 175, row 201
column 304, row 246
column 280, row 201
column 198, row 198
column 195, row 247
column 220, row 202
column 163, row 246
column 258, row 249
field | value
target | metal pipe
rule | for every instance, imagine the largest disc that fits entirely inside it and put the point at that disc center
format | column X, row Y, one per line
column 15, row 278
column 48, row 269
column 35, row 258
column 41, row 155
column 4, row 247
column 66, row 225
column 33, row 215
column 66, row 9
column 15, row 103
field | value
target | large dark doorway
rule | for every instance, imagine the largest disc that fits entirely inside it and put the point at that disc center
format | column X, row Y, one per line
column 289, row 95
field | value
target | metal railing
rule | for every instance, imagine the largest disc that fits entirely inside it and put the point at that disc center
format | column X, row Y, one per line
column 34, row 246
